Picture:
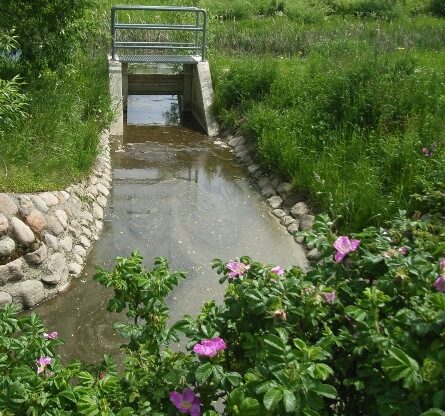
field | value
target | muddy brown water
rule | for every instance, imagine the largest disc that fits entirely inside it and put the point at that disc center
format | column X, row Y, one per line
column 177, row 194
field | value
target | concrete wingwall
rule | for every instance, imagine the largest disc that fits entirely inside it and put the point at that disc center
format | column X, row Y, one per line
column 194, row 84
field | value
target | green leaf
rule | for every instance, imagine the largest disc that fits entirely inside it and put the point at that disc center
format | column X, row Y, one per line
column 290, row 401
column 218, row 373
column 250, row 407
column 274, row 344
column 433, row 412
column 125, row 411
column 310, row 412
column 272, row 398
column 69, row 395
column 234, row 378
column 401, row 366
column 325, row 390
column 203, row 372
column 356, row 313
column 87, row 405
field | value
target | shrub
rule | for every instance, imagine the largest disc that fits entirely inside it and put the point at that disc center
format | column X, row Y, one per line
column 47, row 31
column 360, row 333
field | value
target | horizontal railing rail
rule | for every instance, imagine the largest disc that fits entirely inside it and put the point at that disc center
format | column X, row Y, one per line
column 196, row 46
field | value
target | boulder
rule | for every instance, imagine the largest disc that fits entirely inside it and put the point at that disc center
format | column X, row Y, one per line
column 49, row 198
column 54, row 226
column 279, row 213
column 55, row 269
column 22, row 232
column 31, row 292
column 299, row 209
column 4, row 224
column 7, row 205
column 36, row 257
column 11, row 272
column 7, row 247
column 36, row 221
column 306, row 222
column 5, row 299
column 39, row 203
column 275, row 202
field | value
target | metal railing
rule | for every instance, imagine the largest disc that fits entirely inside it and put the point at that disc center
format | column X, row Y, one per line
column 197, row 45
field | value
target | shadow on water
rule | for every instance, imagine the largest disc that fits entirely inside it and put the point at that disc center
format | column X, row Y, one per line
column 175, row 194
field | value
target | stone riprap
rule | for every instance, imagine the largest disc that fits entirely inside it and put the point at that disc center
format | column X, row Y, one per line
column 286, row 205
column 45, row 237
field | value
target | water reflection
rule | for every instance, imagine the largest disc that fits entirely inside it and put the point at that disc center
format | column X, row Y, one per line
column 175, row 194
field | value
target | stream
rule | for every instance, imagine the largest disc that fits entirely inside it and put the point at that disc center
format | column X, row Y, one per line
column 176, row 194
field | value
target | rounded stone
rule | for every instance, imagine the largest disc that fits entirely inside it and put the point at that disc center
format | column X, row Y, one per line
column 7, row 247
column 275, row 202
column 287, row 220
column 62, row 217
column 294, row 227
column 306, row 222
column 25, row 205
column 78, row 249
column 39, row 203
column 102, row 201
column 253, row 168
column 55, row 269
column 5, row 299
column 7, row 205
column 87, row 216
column 279, row 213
column 22, row 232
column 85, row 242
column 36, row 220
column 32, row 292
column 4, row 224
column 102, row 189
column 49, row 198
column 66, row 195
column 92, row 190
column 54, row 225
column 36, row 257
column 11, row 272
column 98, row 212
column 74, row 269
column 66, row 243
column 51, row 241
column 87, row 232
column 299, row 209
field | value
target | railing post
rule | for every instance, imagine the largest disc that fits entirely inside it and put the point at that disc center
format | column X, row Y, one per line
column 204, row 30
column 196, row 33
column 113, row 33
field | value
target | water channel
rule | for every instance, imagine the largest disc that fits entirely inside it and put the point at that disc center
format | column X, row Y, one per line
column 176, row 194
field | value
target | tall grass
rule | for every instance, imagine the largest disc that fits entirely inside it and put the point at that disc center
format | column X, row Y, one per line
column 348, row 128
column 57, row 143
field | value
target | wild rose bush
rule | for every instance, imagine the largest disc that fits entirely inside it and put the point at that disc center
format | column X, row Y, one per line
column 360, row 333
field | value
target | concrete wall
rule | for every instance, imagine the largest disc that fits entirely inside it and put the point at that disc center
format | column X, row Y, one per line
column 194, row 84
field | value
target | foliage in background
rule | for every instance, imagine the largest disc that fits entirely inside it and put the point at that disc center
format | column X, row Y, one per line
column 53, row 69
column 345, row 111
column 361, row 333
column 48, row 31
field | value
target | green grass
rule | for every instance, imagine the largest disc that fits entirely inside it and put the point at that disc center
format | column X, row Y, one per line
column 56, row 144
column 344, row 111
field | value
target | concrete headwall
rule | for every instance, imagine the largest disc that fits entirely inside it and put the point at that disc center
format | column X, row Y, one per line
column 194, row 84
